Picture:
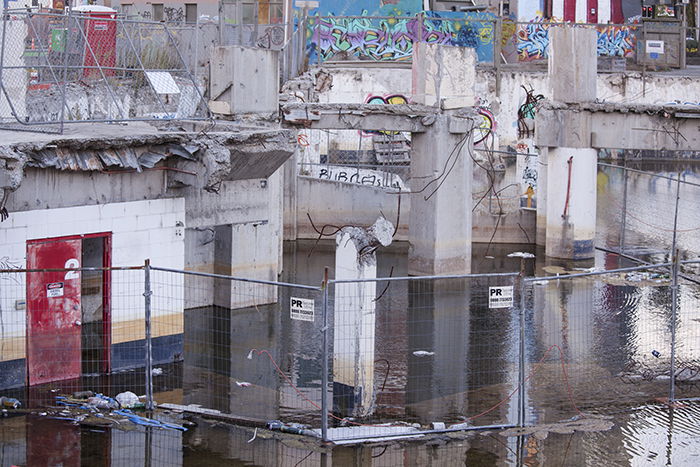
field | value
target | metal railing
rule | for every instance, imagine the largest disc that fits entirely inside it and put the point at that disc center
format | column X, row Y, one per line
column 57, row 68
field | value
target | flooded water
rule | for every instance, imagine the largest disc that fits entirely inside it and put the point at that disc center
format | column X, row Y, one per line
column 596, row 347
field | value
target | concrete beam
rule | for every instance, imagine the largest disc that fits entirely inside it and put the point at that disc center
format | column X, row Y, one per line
column 652, row 129
column 369, row 117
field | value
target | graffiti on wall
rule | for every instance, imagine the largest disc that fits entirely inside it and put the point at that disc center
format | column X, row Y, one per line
column 617, row 41
column 486, row 124
column 392, row 39
column 613, row 41
column 526, row 113
column 388, row 99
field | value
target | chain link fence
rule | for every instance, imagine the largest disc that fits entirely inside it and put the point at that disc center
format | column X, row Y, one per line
column 355, row 359
column 91, row 67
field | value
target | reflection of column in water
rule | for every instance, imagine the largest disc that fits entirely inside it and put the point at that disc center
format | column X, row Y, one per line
column 438, row 337
column 563, row 316
column 255, row 328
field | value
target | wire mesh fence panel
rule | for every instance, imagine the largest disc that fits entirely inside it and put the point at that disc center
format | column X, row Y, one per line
column 91, row 67
column 597, row 342
column 648, row 230
column 422, row 351
column 67, row 331
column 687, row 348
column 249, row 349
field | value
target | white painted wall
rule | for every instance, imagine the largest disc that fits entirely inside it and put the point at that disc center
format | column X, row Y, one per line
column 140, row 230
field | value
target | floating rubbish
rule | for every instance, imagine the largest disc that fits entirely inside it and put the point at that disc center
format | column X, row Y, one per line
column 255, row 435
column 83, row 394
column 128, row 400
column 520, row 254
column 293, row 428
column 100, row 401
column 243, row 384
column 157, row 371
column 656, row 353
column 438, row 425
column 10, row 402
column 423, row 353
column 143, row 421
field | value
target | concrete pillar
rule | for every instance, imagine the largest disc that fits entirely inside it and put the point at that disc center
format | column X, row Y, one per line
column 571, row 202
column 440, row 221
column 244, row 80
column 354, row 317
column 541, row 233
column 573, row 64
column 255, row 256
column 443, row 76
column 570, row 198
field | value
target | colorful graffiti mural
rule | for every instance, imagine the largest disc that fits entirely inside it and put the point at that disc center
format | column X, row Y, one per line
column 388, row 99
column 613, row 41
column 392, row 39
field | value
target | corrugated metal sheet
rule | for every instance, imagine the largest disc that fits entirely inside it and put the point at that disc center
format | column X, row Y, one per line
column 106, row 159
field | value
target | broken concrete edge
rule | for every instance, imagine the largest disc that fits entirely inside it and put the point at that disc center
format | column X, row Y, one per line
column 608, row 107
column 410, row 110
column 219, row 153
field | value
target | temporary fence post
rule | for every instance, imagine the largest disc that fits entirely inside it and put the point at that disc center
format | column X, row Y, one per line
column 324, row 363
column 498, row 27
column 674, row 295
column 149, row 357
column 623, row 225
column 64, row 86
column 521, row 354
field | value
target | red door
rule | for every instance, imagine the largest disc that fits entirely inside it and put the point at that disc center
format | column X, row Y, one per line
column 53, row 311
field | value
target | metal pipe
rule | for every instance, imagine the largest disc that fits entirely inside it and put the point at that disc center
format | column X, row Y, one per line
column 521, row 356
column 113, row 268
column 220, row 276
column 431, row 432
column 415, row 278
column 666, row 177
column 149, row 344
column 324, row 364
column 597, row 273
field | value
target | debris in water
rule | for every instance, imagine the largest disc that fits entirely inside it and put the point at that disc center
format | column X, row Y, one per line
column 255, row 435
column 423, row 353
column 243, row 384
column 10, row 402
column 128, row 400
column 520, row 254
column 157, row 371
column 656, row 353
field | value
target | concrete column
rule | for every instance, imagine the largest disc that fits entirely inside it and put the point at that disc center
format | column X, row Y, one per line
column 255, row 256
column 354, row 318
column 570, row 198
column 571, row 202
column 541, row 235
column 440, row 221
column 573, row 64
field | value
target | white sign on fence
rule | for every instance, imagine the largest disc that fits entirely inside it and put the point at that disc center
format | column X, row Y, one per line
column 655, row 47
column 501, row 297
column 301, row 309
